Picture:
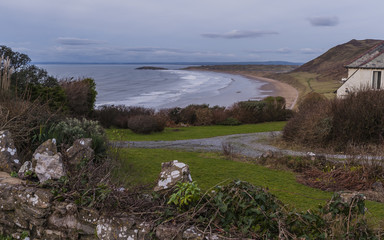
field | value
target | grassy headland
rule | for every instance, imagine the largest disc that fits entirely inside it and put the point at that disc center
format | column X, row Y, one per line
column 322, row 74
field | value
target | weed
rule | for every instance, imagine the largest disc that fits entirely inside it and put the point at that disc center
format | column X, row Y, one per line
column 185, row 196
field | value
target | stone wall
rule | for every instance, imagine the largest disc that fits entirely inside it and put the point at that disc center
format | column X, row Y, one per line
column 30, row 210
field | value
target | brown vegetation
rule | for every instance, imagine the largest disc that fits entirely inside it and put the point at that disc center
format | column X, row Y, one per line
column 338, row 123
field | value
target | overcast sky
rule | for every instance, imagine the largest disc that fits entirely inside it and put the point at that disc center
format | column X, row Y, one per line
column 181, row 30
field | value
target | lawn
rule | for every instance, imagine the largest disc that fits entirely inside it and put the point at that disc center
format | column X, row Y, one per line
column 208, row 169
column 195, row 132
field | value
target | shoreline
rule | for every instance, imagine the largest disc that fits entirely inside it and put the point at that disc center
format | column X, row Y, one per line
column 277, row 88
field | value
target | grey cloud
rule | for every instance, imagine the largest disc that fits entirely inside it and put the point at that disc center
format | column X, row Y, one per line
column 76, row 41
column 280, row 51
column 324, row 21
column 236, row 34
column 310, row 51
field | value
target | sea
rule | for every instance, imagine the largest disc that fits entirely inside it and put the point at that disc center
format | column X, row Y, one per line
column 124, row 84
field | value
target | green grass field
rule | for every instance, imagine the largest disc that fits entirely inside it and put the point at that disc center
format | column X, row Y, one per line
column 208, row 169
column 195, row 132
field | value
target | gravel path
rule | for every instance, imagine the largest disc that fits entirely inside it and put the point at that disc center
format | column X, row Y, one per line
column 251, row 144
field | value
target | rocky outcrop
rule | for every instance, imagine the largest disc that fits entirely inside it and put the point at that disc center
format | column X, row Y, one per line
column 80, row 150
column 9, row 161
column 171, row 173
column 47, row 162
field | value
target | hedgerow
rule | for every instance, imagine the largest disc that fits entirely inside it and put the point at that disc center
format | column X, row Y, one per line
column 357, row 119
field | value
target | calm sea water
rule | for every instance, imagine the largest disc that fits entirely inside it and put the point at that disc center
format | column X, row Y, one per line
column 124, row 85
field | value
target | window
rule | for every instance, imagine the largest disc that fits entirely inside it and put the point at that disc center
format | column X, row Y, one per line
column 376, row 80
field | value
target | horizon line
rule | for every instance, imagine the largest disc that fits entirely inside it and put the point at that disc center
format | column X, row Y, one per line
column 179, row 63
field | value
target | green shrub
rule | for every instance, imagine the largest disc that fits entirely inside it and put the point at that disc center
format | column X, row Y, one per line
column 145, row 124
column 71, row 129
column 186, row 195
column 230, row 122
column 266, row 110
column 54, row 96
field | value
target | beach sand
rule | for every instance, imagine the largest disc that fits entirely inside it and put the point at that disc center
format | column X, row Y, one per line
column 278, row 88
column 275, row 87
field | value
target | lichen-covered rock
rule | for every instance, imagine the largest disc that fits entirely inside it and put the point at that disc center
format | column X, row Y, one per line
column 26, row 170
column 9, row 160
column 81, row 149
column 348, row 197
column 171, row 173
column 47, row 163
column 66, row 216
column 165, row 232
column 116, row 228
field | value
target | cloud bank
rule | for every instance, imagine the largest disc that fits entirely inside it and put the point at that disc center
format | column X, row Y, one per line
column 237, row 34
column 77, row 41
column 324, row 21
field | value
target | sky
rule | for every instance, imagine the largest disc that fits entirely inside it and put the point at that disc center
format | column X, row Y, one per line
column 111, row 31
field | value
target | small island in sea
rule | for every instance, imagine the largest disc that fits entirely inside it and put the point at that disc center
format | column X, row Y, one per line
column 150, row 68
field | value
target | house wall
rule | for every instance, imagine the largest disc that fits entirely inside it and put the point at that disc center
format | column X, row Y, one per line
column 357, row 79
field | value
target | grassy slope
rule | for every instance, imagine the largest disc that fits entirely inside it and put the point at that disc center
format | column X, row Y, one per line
column 209, row 169
column 323, row 74
column 197, row 132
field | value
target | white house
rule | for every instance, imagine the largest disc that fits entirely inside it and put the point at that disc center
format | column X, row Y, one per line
column 365, row 72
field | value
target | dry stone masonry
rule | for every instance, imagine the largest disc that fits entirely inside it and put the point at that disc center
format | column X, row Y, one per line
column 9, row 161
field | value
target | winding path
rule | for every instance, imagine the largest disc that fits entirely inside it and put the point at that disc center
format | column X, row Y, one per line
column 250, row 145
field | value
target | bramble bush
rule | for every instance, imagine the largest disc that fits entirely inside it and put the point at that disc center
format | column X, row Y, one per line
column 145, row 124
column 242, row 210
column 357, row 119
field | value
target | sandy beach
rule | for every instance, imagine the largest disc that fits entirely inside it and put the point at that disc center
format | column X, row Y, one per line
column 275, row 87
column 278, row 88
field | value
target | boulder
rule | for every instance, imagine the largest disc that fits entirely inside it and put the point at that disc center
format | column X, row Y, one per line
column 47, row 162
column 81, row 149
column 9, row 161
column 171, row 173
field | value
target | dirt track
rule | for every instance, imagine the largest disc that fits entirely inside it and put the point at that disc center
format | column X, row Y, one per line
column 250, row 145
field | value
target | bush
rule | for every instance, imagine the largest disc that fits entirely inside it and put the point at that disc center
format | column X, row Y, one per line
column 81, row 95
column 266, row 110
column 356, row 120
column 23, row 119
column 67, row 131
column 145, row 124
column 230, row 122
column 117, row 116
column 312, row 124
column 241, row 210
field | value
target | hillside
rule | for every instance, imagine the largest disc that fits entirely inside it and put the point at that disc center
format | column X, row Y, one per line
column 323, row 74
column 330, row 65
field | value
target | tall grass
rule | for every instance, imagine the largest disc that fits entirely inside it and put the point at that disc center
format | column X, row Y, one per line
column 5, row 73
